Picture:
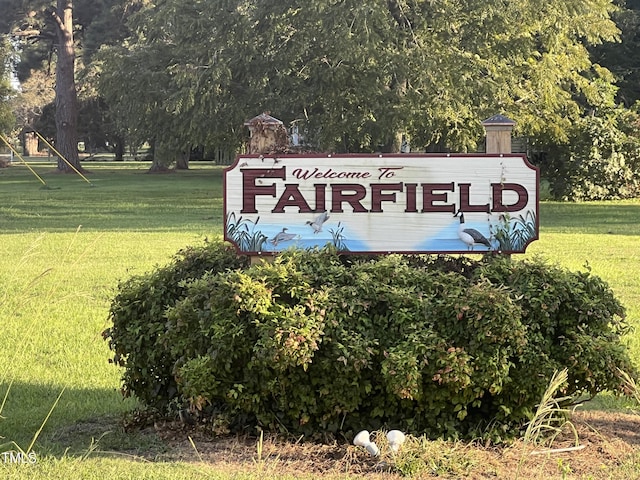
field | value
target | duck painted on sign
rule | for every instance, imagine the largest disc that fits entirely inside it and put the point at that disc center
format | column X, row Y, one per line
column 471, row 236
column 282, row 236
column 318, row 222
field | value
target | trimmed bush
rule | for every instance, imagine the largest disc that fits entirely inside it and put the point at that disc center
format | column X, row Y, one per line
column 139, row 323
column 316, row 342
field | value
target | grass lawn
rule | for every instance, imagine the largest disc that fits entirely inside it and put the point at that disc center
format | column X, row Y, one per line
column 65, row 246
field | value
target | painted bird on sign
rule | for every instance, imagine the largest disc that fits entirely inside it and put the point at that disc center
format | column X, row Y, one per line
column 318, row 222
column 283, row 236
column 470, row 236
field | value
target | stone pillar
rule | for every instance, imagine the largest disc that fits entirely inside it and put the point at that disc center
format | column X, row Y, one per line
column 498, row 130
column 267, row 134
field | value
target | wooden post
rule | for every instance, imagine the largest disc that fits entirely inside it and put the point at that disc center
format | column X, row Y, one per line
column 498, row 130
column 256, row 259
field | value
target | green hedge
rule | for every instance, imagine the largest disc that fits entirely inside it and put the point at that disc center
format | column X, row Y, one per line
column 318, row 343
column 600, row 162
column 139, row 322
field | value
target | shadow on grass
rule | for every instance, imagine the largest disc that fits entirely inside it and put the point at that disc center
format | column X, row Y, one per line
column 106, row 436
column 83, row 420
column 610, row 218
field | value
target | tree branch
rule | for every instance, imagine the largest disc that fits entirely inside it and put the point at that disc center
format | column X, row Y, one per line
column 26, row 33
column 56, row 17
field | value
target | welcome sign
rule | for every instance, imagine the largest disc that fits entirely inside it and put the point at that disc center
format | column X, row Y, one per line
column 407, row 203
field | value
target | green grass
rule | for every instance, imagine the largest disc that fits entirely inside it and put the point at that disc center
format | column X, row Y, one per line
column 63, row 250
column 121, row 197
column 599, row 236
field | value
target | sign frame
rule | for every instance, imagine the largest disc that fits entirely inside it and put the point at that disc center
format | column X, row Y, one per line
column 381, row 203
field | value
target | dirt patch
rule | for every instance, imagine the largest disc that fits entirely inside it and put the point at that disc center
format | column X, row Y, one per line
column 608, row 447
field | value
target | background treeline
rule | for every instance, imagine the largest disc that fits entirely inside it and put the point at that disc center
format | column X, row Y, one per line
column 179, row 74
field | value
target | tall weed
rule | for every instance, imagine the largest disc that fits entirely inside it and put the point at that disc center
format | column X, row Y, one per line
column 30, row 300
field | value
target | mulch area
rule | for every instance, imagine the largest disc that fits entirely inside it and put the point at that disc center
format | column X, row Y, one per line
column 609, row 447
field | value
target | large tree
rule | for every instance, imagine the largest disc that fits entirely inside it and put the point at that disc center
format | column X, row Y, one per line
column 59, row 38
column 143, row 85
column 360, row 74
column 66, row 94
column 6, row 90
column 52, row 25
column 623, row 59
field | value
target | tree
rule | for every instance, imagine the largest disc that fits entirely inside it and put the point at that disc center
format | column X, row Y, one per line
column 359, row 75
column 6, row 90
column 54, row 24
column 623, row 58
column 140, row 108
column 64, row 35
column 35, row 92
column 139, row 81
column 66, row 94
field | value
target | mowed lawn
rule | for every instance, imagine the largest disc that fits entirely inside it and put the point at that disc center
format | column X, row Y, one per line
column 65, row 245
column 63, row 248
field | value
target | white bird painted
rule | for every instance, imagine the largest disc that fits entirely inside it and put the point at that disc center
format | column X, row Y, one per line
column 283, row 236
column 318, row 222
column 470, row 236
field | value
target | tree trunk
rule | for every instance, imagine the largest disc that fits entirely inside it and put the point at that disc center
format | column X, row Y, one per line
column 66, row 96
column 30, row 144
column 118, row 150
column 182, row 162
column 160, row 158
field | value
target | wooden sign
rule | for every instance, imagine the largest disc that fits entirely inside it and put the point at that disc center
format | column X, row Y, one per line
column 407, row 203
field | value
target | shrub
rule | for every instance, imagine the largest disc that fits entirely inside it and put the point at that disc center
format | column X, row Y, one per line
column 138, row 316
column 602, row 161
column 572, row 320
column 318, row 342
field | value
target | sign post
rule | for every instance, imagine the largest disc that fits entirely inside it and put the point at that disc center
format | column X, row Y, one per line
column 498, row 130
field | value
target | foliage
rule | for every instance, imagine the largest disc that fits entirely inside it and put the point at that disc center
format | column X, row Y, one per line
column 571, row 317
column 36, row 94
column 357, row 76
column 603, row 160
column 421, row 457
column 52, row 22
column 6, row 91
column 622, row 58
column 33, row 26
column 138, row 316
column 94, row 127
column 317, row 342
column 550, row 420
